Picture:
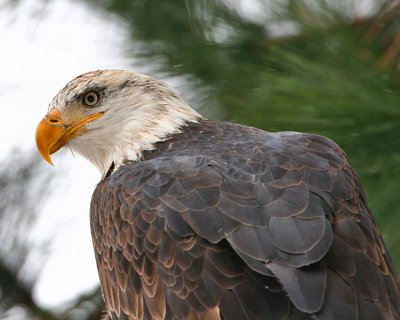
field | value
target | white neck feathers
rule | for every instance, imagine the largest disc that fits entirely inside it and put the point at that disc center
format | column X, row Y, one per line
column 134, row 120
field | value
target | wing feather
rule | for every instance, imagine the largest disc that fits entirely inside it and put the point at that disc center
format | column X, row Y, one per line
column 281, row 231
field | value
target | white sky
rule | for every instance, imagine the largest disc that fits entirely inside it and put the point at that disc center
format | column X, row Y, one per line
column 39, row 54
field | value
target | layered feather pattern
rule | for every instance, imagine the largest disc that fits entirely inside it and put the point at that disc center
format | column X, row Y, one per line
column 223, row 221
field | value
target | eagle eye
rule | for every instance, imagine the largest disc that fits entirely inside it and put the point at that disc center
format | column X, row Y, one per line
column 91, row 98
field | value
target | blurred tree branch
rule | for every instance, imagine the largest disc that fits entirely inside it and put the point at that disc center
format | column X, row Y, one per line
column 23, row 187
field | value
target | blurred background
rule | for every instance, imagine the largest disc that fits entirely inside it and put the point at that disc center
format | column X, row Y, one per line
column 327, row 67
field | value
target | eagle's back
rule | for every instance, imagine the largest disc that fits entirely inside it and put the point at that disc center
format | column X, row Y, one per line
column 223, row 221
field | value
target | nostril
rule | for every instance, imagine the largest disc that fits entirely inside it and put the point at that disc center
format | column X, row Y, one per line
column 54, row 120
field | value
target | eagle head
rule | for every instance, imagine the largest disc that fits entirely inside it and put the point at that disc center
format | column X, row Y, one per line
column 111, row 117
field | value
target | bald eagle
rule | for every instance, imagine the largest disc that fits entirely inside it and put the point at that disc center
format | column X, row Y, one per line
column 202, row 219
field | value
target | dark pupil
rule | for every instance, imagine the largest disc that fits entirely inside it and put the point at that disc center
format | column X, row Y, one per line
column 90, row 98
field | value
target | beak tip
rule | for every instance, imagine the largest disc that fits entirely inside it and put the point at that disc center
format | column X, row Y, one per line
column 47, row 158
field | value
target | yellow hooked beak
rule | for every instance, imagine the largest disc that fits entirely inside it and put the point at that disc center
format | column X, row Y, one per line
column 52, row 133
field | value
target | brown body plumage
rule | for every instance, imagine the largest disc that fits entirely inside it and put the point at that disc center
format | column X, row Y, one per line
column 223, row 221
column 227, row 219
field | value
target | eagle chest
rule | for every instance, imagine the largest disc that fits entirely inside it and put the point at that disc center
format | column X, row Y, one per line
column 136, row 257
column 126, row 241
